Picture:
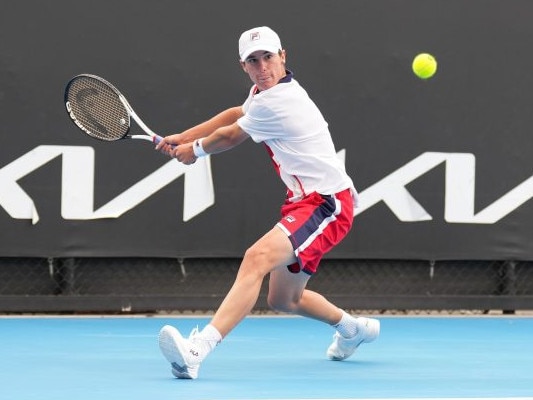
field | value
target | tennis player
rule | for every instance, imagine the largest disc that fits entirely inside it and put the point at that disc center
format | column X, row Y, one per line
column 317, row 214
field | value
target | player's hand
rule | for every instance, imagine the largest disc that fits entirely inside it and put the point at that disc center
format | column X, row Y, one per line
column 168, row 143
column 184, row 154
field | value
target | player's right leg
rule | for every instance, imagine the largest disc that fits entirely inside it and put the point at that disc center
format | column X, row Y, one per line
column 175, row 349
column 273, row 250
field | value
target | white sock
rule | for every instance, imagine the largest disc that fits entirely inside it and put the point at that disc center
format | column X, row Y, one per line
column 211, row 336
column 347, row 326
column 203, row 343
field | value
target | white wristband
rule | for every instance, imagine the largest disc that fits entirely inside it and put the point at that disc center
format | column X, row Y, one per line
column 198, row 148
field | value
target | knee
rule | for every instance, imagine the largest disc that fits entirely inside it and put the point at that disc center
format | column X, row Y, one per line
column 256, row 261
column 256, row 254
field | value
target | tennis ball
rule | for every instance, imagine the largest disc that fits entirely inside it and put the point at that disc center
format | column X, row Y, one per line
column 424, row 66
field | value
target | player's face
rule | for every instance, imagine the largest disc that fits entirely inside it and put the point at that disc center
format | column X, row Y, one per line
column 265, row 68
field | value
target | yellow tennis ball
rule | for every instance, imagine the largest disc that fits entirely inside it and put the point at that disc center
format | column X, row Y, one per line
column 424, row 65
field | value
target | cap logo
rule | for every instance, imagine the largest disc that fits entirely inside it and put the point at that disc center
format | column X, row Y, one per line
column 255, row 36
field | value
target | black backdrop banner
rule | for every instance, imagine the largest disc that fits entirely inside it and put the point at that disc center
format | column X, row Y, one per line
column 444, row 166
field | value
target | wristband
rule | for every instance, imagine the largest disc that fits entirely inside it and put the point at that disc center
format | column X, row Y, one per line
column 198, row 149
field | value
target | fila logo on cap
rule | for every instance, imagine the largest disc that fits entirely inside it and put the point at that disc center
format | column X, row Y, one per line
column 259, row 38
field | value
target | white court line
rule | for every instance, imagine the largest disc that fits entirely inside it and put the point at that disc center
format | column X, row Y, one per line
column 427, row 398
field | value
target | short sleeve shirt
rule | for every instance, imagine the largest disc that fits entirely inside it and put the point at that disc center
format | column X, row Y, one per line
column 297, row 137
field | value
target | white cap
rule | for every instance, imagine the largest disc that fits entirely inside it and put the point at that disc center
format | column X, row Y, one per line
column 260, row 38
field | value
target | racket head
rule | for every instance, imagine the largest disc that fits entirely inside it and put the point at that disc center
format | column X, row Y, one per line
column 97, row 107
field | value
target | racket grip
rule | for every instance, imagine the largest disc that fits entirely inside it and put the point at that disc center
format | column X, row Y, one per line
column 156, row 139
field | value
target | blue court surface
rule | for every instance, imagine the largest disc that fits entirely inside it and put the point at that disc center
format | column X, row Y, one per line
column 277, row 358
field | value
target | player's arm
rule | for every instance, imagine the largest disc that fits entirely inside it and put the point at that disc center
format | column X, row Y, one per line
column 225, row 118
column 222, row 139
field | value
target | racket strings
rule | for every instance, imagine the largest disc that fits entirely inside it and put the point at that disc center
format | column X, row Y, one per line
column 96, row 108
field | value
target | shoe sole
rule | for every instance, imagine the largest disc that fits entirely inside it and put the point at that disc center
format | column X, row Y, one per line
column 170, row 346
column 183, row 372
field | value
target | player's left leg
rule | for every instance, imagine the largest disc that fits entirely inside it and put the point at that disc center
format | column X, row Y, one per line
column 287, row 290
column 287, row 293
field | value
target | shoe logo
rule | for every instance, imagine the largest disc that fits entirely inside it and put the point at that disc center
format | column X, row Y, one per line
column 193, row 352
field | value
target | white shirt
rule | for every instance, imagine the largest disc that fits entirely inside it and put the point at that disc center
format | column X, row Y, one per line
column 289, row 123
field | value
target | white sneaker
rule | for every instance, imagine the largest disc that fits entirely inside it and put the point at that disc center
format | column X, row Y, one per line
column 183, row 354
column 342, row 348
column 184, row 372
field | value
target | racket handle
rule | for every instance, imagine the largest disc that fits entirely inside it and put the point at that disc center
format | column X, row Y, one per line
column 156, row 139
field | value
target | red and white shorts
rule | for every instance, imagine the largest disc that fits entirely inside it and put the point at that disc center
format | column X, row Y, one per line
column 314, row 225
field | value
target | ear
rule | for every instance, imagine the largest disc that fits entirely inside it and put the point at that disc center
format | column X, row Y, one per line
column 283, row 55
column 243, row 65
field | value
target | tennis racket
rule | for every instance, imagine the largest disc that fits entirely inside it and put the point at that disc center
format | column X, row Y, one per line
column 101, row 111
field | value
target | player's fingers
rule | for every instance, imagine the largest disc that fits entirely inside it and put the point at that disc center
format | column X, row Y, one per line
column 164, row 146
column 183, row 156
column 189, row 161
column 160, row 142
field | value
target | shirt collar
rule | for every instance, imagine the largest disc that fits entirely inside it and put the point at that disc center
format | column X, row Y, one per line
column 287, row 77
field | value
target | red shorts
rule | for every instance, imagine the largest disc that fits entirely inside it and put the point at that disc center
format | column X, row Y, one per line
column 315, row 225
